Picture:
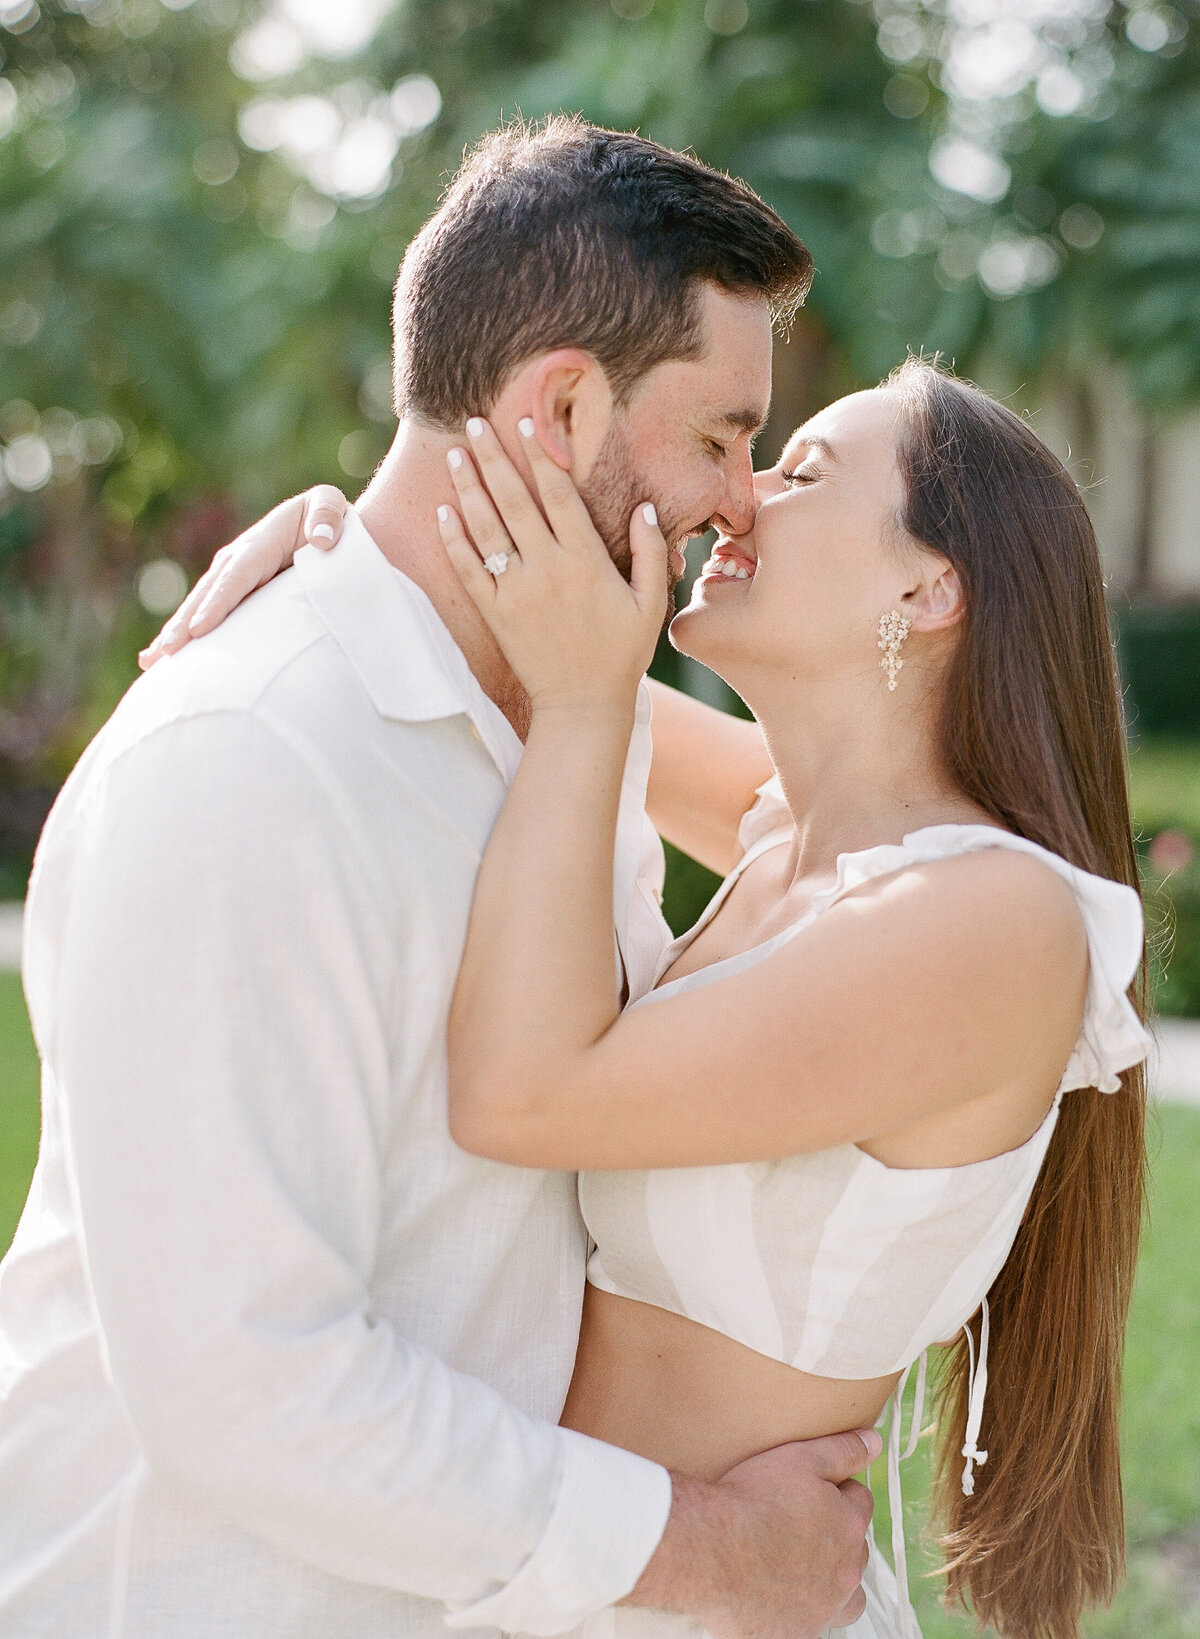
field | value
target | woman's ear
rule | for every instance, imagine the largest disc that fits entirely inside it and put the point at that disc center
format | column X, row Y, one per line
column 938, row 602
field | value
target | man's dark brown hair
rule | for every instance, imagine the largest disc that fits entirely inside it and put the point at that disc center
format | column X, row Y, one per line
column 567, row 235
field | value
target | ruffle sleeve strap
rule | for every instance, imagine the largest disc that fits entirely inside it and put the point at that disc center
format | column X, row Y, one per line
column 1112, row 1037
column 769, row 813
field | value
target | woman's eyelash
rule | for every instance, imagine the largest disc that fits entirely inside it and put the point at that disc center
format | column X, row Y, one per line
column 799, row 476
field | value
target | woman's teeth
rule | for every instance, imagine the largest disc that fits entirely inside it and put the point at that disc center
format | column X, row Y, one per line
column 733, row 571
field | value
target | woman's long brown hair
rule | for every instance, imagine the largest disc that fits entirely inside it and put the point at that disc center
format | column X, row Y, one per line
column 1032, row 730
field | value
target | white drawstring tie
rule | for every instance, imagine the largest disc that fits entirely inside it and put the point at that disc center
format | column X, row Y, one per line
column 909, row 1628
column 976, row 1390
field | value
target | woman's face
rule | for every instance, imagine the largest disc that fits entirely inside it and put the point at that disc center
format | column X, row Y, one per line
column 801, row 594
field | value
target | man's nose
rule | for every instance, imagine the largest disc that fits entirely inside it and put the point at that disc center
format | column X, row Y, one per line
column 735, row 515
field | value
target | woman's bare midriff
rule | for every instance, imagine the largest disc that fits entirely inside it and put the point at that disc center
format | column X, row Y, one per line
column 693, row 1399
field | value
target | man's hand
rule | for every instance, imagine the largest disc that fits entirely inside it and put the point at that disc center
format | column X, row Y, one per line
column 775, row 1549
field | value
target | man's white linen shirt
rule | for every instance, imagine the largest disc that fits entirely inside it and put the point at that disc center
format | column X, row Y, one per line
column 276, row 1358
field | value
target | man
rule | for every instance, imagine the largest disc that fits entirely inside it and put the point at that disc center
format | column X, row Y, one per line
column 277, row 1358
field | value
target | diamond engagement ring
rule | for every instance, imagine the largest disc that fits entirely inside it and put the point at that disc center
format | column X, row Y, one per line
column 496, row 564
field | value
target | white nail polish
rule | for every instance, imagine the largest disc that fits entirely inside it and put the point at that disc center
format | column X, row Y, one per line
column 650, row 514
column 443, row 515
column 475, row 427
column 455, row 459
column 525, row 426
column 321, row 532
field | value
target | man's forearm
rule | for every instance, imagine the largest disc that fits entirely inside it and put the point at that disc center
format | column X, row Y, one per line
column 688, row 1570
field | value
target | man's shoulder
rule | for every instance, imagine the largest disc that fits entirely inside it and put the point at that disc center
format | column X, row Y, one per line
column 246, row 669
column 236, row 665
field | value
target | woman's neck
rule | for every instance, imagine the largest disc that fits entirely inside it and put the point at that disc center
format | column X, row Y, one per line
column 856, row 770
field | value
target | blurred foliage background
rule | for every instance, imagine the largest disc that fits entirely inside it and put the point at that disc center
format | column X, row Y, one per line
column 202, row 208
column 203, row 204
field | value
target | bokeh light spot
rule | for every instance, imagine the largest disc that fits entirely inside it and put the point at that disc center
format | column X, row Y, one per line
column 28, row 463
column 356, row 454
column 415, row 103
column 162, row 587
column 1060, row 91
column 9, row 104
column 269, row 51
column 906, row 96
column 1081, row 226
column 901, row 38
column 1171, row 851
column 18, row 16
column 1147, row 29
column 964, row 167
column 20, row 322
column 727, row 16
column 375, row 392
column 215, row 162
column 1009, row 266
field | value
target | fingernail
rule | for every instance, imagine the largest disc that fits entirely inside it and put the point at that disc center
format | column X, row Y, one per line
column 526, row 427
column 321, row 532
column 475, row 427
column 455, row 458
column 650, row 514
column 873, row 1441
column 443, row 515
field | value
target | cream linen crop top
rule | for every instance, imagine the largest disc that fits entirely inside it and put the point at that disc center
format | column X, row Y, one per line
column 833, row 1262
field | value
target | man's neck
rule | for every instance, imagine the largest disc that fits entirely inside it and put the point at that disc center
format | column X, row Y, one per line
column 399, row 508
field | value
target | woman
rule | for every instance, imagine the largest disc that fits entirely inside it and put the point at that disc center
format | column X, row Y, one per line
column 835, row 1132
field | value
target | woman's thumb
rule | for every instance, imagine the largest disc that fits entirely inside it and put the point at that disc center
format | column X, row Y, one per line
column 648, row 558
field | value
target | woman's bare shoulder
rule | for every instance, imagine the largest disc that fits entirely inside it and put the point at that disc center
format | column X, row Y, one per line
column 997, row 915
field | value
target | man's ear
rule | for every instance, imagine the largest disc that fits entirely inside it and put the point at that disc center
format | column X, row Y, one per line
column 937, row 602
column 571, row 403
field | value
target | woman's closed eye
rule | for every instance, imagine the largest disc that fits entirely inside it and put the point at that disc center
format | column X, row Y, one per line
column 801, row 475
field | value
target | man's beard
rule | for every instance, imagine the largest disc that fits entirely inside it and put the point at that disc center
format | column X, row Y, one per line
column 613, row 489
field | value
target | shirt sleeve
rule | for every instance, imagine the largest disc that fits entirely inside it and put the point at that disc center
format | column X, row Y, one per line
column 226, row 965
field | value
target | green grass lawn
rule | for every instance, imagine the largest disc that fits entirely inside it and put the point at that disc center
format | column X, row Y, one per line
column 1164, row 785
column 1161, row 1599
column 18, row 1104
column 1162, row 1403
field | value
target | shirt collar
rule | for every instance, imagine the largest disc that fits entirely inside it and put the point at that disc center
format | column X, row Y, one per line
column 398, row 645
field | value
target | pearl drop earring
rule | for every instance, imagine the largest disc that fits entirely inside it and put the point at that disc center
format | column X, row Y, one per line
column 893, row 629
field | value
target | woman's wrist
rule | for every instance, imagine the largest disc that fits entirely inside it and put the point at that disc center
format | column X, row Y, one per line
column 584, row 739
column 601, row 705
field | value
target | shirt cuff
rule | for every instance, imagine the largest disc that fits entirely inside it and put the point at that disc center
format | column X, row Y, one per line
column 608, row 1518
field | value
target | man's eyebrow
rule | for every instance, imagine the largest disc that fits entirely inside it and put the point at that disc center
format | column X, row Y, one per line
column 745, row 421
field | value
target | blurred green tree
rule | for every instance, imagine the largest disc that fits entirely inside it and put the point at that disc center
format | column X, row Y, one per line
column 203, row 204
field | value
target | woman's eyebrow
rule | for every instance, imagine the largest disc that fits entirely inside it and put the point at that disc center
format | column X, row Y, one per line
column 814, row 441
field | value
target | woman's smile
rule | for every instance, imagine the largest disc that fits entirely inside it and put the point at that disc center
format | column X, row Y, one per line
column 727, row 562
